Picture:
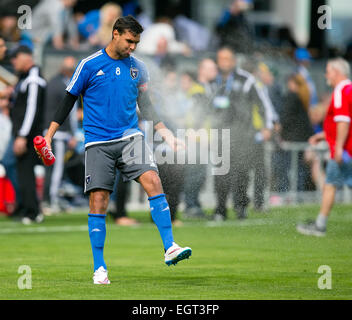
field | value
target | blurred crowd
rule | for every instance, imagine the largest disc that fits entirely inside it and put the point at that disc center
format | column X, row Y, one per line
column 233, row 86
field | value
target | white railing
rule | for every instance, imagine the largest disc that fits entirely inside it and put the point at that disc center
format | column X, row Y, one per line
column 293, row 196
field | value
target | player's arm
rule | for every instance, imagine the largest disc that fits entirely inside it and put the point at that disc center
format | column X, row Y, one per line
column 342, row 129
column 148, row 113
column 146, row 107
column 61, row 114
column 342, row 117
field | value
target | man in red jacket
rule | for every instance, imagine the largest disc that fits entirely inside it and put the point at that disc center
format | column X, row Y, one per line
column 338, row 134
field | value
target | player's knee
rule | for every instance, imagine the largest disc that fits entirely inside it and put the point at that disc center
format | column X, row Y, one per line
column 98, row 201
column 155, row 180
column 151, row 183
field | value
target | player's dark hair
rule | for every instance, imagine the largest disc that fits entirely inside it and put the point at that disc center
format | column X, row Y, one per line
column 128, row 23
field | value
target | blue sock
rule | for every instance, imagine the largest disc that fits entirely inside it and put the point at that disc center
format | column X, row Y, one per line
column 97, row 234
column 161, row 216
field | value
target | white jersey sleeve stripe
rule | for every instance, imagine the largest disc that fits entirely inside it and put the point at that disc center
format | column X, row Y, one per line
column 79, row 69
column 342, row 119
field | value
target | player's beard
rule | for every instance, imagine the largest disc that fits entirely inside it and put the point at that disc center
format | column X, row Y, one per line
column 124, row 54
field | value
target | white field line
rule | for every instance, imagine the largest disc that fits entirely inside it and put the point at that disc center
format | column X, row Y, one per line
column 42, row 229
column 24, row 229
column 13, row 228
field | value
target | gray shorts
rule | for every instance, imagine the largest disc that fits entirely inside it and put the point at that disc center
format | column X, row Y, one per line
column 132, row 157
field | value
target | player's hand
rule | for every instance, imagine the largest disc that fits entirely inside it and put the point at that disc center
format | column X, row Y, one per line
column 48, row 142
column 20, row 146
column 266, row 134
column 176, row 144
column 313, row 140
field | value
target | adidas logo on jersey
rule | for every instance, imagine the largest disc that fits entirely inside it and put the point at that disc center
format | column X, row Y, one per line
column 100, row 73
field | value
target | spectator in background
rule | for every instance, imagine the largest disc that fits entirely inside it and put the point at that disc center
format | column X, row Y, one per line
column 171, row 106
column 8, row 193
column 234, row 98
column 200, row 91
column 134, row 8
column 5, row 125
column 263, row 122
column 88, row 23
column 274, row 92
column 64, row 138
column 295, row 127
column 316, row 110
column 197, row 136
column 162, row 57
column 338, row 134
column 271, row 85
column 207, row 72
column 52, row 22
column 27, row 119
column 303, row 58
column 233, row 29
column 5, row 122
column 8, row 27
column 190, row 32
column 161, row 29
column 74, row 172
column 3, row 49
column 8, row 159
column 99, row 24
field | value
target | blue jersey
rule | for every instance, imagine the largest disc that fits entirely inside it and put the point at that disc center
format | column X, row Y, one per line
column 109, row 89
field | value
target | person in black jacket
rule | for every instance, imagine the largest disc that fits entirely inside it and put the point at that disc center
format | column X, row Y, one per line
column 235, row 94
column 26, row 115
column 296, row 127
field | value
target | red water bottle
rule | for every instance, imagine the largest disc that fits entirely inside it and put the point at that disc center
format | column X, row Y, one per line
column 43, row 151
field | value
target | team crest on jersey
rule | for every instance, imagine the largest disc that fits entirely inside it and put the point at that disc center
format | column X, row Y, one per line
column 88, row 179
column 134, row 73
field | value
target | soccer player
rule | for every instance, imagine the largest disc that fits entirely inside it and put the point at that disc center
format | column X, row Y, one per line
column 112, row 82
column 338, row 134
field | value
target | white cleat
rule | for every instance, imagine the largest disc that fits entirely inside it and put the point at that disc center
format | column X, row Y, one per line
column 101, row 276
column 26, row 221
column 175, row 254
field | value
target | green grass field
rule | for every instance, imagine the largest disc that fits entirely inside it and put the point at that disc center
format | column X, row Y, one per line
column 260, row 258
